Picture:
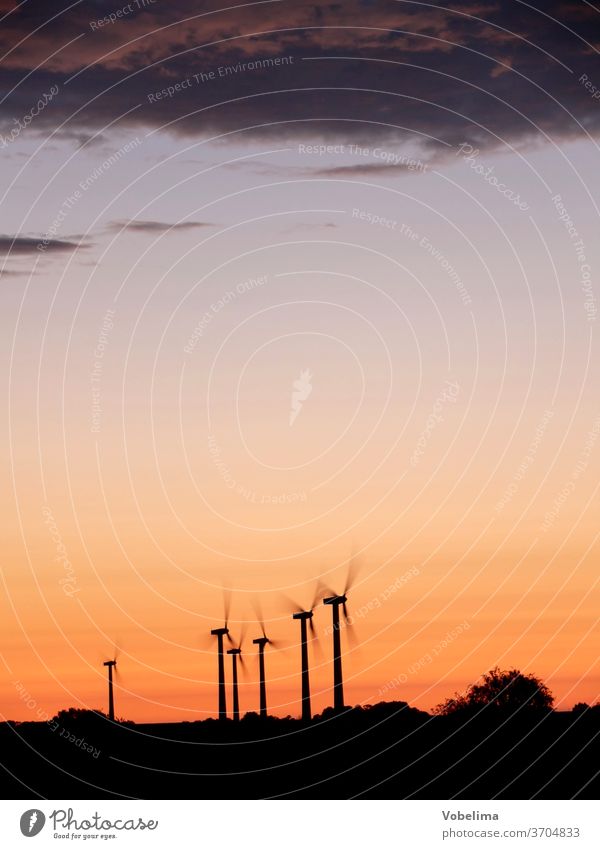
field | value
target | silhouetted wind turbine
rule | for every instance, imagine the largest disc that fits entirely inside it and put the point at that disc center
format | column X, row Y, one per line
column 235, row 654
column 306, row 616
column 219, row 633
column 111, row 699
column 336, row 601
column 261, row 642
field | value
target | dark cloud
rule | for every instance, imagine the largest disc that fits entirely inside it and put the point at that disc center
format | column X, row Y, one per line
column 154, row 226
column 370, row 169
column 29, row 246
column 81, row 139
column 488, row 72
column 12, row 273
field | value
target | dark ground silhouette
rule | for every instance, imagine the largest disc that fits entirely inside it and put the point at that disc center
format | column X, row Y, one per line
column 389, row 750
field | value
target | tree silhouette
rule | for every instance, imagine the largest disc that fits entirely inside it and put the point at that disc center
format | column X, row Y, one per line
column 583, row 707
column 503, row 690
column 69, row 715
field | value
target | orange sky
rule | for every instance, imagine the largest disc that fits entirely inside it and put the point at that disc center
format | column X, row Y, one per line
column 156, row 445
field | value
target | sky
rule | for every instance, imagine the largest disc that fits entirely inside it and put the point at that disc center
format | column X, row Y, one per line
column 281, row 292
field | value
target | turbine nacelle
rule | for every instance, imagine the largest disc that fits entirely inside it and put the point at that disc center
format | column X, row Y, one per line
column 110, row 663
column 234, row 651
column 219, row 632
column 335, row 599
column 261, row 642
column 303, row 614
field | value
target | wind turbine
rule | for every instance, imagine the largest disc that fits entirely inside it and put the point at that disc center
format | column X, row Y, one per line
column 219, row 633
column 337, row 601
column 111, row 664
column 305, row 616
column 235, row 654
column 261, row 642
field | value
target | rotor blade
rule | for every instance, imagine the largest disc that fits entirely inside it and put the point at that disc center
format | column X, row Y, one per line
column 292, row 606
column 259, row 614
column 229, row 637
column 351, row 633
column 242, row 634
column 226, row 604
column 316, row 644
column 321, row 591
column 311, row 625
column 349, row 627
column 354, row 567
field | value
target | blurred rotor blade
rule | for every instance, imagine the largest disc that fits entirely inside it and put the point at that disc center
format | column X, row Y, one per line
column 311, row 625
column 321, row 591
column 317, row 595
column 226, row 604
column 259, row 614
column 351, row 633
column 354, row 567
column 229, row 637
column 116, row 649
column 316, row 644
column 242, row 634
column 349, row 626
column 292, row 606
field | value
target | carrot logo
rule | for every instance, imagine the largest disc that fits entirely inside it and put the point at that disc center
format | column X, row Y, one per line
column 32, row 822
column 300, row 392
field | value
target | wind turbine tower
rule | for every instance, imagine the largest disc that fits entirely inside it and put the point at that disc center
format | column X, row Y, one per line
column 305, row 616
column 111, row 699
column 219, row 633
column 235, row 653
column 338, row 684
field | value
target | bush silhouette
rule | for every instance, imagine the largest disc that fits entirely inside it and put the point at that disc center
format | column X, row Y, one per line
column 79, row 716
column 509, row 691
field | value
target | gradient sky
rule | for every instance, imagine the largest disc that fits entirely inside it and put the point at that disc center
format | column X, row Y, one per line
column 450, row 438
